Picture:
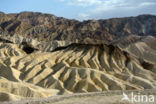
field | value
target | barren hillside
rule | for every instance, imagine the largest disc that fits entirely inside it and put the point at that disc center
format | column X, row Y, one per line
column 42, row 55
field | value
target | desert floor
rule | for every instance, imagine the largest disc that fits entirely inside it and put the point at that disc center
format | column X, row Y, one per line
column 111, row 97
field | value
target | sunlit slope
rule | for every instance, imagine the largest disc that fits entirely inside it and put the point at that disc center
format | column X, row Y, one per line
column 144, row 49
column 71, row 69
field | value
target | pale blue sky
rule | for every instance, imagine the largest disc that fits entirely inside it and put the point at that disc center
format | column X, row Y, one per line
column 82, row 9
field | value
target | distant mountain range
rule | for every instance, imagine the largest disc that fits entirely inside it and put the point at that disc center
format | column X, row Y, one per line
column 47, row 27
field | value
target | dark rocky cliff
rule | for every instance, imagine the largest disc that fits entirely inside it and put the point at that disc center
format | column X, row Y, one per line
column 49, row 27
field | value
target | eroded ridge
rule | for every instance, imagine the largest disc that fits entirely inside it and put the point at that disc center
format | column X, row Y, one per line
column 72, row 69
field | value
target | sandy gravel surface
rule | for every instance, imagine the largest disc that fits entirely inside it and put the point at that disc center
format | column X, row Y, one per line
column 111, row 97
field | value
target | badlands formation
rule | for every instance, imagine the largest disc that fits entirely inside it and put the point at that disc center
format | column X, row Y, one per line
column 44, row 56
